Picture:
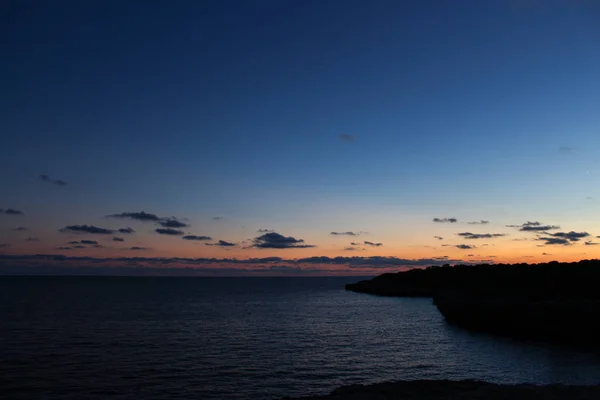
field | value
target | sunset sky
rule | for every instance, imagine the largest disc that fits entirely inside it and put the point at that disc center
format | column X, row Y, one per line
column 424, row 132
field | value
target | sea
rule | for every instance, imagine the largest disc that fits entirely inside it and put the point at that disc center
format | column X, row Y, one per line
column 242, row 338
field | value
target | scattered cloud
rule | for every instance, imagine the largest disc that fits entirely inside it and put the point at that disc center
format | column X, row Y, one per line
column 79, row 247
column 195, row 237
column 351, row 248
column 139, row 216
column 534, row 226
column 168, row 231
column 221, row 243
column 88, row 242
column 553, row 240
column 20, row 228
column 344, row 137
column 63, row 248
column 469, row 235
column 32, row 239
column 172, row 223
column 217, row 218
column 481, row 222
column 11, row 211
column 438, row 237
column 265, row 230
column 4, row 245
column 589, row 243
column 139, row 248
column 118, row 239
column 464, row 246
column 345, row 233
column 372, row 244
column 57, row 182
column 274, row 240
column 546, row 254
column 86, row 229
column 126, row 230
column 572, row 236
column 566, row 149
column 444, row 220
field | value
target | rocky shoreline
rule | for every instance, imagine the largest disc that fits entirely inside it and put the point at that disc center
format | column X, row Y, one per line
column 558, row 302
column 458, row 390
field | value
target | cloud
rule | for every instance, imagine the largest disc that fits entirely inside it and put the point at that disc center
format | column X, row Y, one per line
column 20, row 228
column 345, row 233
column 88, row 242
column 344, row 137
column 168, row 231
column 572, row 236
column 217, row 218
column 195, row 237
column 139, row 248
column 553, row 240
column 172, row 223
column 565, row 149
column 118, row 239
column 534, row 226
column 73, row 242
column 221, row 243
column 4, row 245
column 481, row 222
column 57, row 182
column 546, row 254
column 274, row 240
column 126, row 230
column 438, row 237
column 32, row 239
column 444, row 220
column 86, row 229
column 464, row 246
column 79, row 247
column 11, row 211
column 265, row 230
column 372, row 244
column 589, row 243
column 139, row 216
column 469, row 235
column 63, row 248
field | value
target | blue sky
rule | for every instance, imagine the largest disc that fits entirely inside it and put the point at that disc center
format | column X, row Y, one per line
column 475, row 110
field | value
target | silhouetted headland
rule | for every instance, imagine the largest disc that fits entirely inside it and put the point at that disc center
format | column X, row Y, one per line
column 458, row 390
column 551, row 301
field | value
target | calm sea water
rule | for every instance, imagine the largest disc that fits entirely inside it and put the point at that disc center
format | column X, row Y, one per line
column 241, row 338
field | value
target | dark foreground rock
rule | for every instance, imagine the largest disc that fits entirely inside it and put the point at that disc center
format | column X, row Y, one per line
column 459, row 390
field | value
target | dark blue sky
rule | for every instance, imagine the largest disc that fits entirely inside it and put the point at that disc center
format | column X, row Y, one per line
column 476, row 109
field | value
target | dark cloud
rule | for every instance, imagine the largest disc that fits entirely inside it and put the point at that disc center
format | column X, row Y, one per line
column 79, row 247
column 344, row 137
column 443, row 220
column 98, row 246
column 372, row 244
column 140, row 216
column 534, row 226
column 168, row 231
column 217, row 218
column 118, row 239
column 265, row 230
column 57, row 182
column 438, row 237
column 589, row 243
column 553, row 240
column 63, row 248
column 464, row 246
column 86, row 229
column 172, row 223
column 572, row 236
column 88, row 242
column 73, row 242
column 11, row 211
column 126, row 230
column 221, row 243
column 138, row 248
column 274, row 240
column 344, row 233
column 481, row 222
column 195, row 237
column 469, row 235
column 546, row 254
column 351, row 248
column 20, row 228
column 4, row 245
column 32, row 239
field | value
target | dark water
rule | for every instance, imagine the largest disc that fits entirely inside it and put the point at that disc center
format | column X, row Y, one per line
column 241, row 338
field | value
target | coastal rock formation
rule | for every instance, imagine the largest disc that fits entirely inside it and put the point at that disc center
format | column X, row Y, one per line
column 553, row 301
column 458, row 390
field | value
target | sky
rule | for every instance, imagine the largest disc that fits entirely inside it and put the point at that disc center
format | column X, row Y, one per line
column 297, row 137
